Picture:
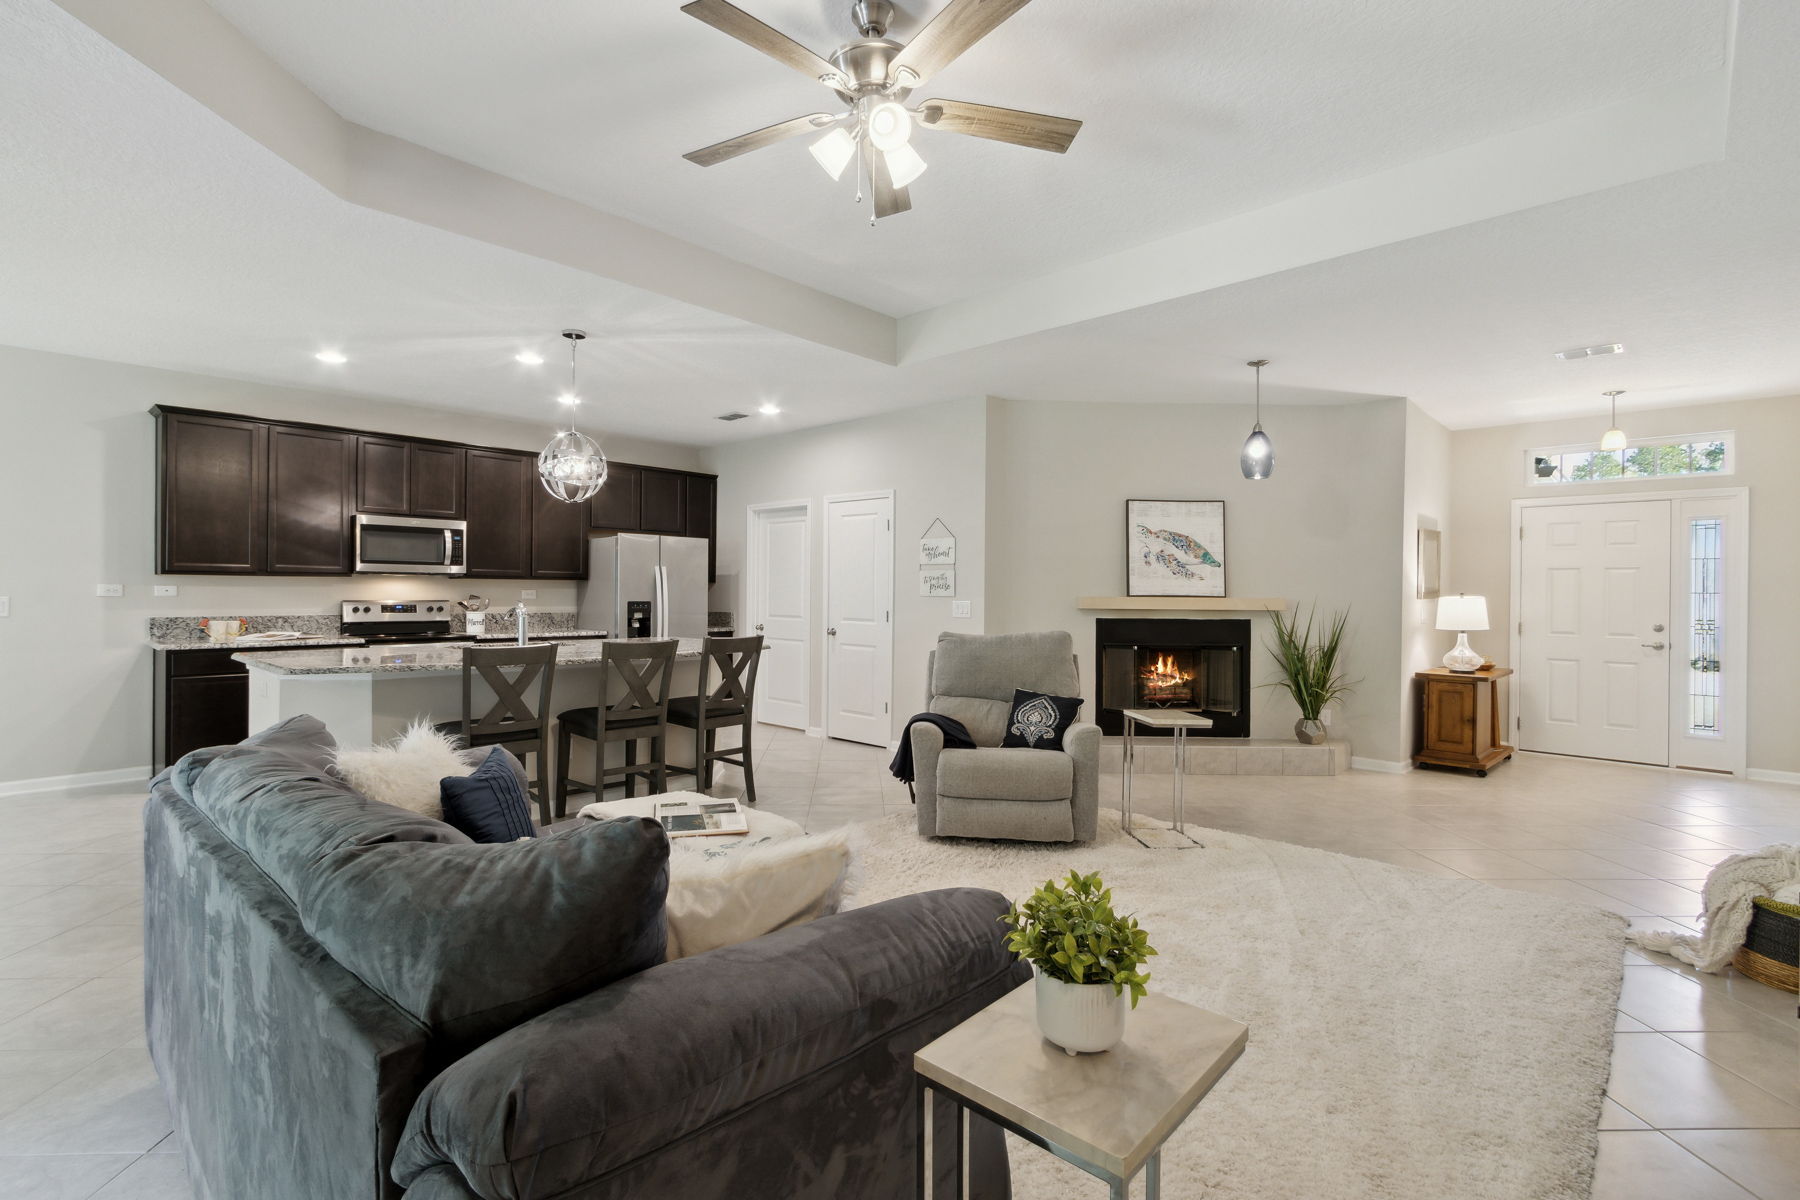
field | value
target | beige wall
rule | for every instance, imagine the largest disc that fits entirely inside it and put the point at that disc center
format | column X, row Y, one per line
column 77, row 487
column 1489, row 473
column 1322, row 528
column 1426, row 505
column 932, row 458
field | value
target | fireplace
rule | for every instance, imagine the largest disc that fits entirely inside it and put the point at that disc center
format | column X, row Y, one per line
column 1200, row 666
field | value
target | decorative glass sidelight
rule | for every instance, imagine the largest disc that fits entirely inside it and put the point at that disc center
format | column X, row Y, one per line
column 1705, row 641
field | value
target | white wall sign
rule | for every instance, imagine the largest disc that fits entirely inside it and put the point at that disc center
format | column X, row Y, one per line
column 939, row 581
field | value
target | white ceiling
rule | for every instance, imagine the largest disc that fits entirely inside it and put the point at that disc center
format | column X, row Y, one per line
column 137, row 224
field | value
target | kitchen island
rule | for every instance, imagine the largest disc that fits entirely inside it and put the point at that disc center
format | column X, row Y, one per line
column 368, row 694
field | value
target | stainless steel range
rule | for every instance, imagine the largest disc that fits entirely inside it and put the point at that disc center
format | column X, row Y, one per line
column 405, row 621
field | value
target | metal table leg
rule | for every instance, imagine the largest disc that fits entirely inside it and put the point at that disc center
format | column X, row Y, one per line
column 1125, row 776
column 1153, row 1176
column 1180, row 742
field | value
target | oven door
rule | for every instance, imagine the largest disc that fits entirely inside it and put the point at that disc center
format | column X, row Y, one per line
column 410, row 546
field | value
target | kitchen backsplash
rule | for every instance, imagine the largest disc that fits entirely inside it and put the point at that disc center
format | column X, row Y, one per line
column 188, row 629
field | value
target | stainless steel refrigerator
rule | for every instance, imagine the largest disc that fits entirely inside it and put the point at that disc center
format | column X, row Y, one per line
column 644, row 585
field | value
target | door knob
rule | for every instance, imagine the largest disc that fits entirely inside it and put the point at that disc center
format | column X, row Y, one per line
column 831, row 633
column 1654, row 645
column 1656, row 629
column 759, row 629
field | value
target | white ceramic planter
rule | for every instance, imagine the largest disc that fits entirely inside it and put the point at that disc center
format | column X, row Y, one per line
column 1082, row 1018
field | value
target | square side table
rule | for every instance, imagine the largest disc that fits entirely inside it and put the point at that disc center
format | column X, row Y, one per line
column 1175, row 719
column 1108, row 1114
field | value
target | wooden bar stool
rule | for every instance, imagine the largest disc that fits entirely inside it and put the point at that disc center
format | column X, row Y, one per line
column 730, row 704
column 641, row 712
column 513, row 721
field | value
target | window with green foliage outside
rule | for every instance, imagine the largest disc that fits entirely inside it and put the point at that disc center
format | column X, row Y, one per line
column 1705, row 454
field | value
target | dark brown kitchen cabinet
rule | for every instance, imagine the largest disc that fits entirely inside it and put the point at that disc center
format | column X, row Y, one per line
column 702, row 499
column 615, row 505
column 558, row 537
column 312, row 478
column 212, row 495
column 662, row 501
column 400, row 478
column 499, row 487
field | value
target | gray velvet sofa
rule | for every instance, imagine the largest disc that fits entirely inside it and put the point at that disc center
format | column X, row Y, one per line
column 993, row 791
column 347, row 1000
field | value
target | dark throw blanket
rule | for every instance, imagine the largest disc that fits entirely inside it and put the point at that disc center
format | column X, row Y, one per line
column 956, row 737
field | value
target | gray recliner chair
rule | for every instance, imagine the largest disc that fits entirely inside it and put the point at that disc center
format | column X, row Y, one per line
column 992, row 791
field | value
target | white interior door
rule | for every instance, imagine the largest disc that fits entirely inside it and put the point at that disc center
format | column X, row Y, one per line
column 780, row 581
column 1594, row 640
column 859, row 607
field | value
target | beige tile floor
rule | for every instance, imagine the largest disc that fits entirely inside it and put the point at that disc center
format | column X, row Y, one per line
column 1704, row 1100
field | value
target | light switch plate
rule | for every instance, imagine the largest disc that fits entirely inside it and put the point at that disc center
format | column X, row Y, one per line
column 960, row 608
column 165, row 589
column 109, row 589
column 528, row 594
column 5, row 606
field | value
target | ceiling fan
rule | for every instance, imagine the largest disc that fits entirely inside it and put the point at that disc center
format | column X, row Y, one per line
column 874, row 76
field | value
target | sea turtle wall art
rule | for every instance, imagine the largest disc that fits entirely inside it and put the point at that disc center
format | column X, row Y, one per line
column 1175, row 547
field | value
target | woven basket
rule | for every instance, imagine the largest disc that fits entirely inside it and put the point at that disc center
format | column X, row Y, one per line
column 1771, row 951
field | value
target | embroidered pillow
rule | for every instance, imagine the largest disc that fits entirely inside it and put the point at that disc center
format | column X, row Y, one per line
column 489, row 805
column 1038, row 721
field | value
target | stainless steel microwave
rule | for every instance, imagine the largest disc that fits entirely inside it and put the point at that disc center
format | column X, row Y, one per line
column 410, row 546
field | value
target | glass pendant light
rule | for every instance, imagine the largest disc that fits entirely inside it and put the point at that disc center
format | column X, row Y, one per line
column 1258, row 458
column 571, row 467
column 1615, row 437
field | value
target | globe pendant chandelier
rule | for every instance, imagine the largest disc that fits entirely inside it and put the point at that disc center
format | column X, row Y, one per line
column 1258, row 457
column 571, row 467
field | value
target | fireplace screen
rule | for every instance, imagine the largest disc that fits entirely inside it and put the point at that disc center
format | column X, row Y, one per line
column 1201, row 678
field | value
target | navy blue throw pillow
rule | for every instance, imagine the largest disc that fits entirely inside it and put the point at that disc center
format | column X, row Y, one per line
column 1038, row 721
column 489, row 805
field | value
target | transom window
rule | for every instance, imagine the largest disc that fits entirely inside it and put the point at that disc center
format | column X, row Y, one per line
column 1648, row 458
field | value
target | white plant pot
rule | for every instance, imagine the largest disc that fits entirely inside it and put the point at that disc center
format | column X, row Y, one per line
column 1082, row 1018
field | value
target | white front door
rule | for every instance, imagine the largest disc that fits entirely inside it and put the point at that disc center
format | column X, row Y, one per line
column 779, row 584
column 859, row 628
column 1594, row 640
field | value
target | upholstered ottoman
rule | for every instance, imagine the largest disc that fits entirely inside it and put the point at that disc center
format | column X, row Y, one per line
column 729, row 888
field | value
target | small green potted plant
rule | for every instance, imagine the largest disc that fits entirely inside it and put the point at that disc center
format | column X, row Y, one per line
column 1311, row 669
column 1086, row 958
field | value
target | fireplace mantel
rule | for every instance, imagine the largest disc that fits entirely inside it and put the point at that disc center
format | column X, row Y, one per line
column 1182, row 604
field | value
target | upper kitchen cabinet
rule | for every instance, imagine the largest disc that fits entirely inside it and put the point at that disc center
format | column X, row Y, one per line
column 499, row 490
column 702, row 501
column 662, row 501
column 615, row 505
column 558, row 535
column 401, row 478
column 312, row 477
column 212, row 498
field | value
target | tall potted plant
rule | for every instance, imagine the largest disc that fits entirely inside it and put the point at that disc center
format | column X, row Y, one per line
column 1311, row 669
column 1086, row 957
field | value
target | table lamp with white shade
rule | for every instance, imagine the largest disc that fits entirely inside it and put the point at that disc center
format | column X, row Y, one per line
column 1461, row 613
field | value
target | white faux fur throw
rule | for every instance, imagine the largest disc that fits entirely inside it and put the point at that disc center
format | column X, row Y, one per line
column 1730, row 889
column 406, row 773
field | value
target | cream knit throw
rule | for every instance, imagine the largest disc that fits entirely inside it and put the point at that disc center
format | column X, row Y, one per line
column 1730, row 888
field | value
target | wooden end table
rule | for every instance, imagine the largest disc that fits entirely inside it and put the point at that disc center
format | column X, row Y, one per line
column 1108, row 1114
column 1177, row 720
column 1459, row 719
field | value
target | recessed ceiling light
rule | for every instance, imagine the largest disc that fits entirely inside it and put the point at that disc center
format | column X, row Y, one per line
column 1590, row 351
column 569, row 398
column 331, row 356
column 529, row 358
column 769, row 409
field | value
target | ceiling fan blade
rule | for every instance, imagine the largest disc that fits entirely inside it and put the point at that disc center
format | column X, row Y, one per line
column 952, row 31
column 1021, row 128
column 756, row 139
column 729, row 18
column 888, row 198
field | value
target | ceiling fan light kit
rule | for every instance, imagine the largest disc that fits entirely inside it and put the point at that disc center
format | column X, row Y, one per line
column 874, row 77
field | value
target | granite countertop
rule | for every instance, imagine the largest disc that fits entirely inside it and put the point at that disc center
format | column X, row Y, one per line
column 419, row 659
column 310, row 643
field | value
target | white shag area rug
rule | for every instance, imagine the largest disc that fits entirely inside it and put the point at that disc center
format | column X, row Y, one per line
column 1411, row 1038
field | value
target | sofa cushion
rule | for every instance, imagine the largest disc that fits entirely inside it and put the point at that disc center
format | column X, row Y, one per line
column 302, row 738
column 984, row 719
column 491, row 805
column 992, row 665
column 1006, row 774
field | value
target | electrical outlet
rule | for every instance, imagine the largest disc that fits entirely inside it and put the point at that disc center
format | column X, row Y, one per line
column 5, row 606
column 165, row 589
column 528, row 594
column 109, row 589
column 960, row 608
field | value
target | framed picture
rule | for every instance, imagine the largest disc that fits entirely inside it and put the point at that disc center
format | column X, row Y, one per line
column 1175, row 547
column 937, row 552
column 1430, row 564
column 937, row 581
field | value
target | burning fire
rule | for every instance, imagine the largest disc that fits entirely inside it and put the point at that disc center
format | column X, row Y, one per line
column 1165, row 674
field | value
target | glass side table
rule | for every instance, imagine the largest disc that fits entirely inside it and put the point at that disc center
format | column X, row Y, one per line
column 1175, row 719
column 1108, row 1113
